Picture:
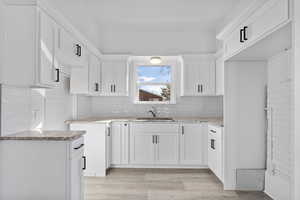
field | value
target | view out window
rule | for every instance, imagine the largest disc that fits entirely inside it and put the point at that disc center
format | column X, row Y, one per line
column 154, row 83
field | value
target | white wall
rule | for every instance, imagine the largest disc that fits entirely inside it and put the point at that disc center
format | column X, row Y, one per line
column 296, row 61
column 244, row 118
column 25, row 108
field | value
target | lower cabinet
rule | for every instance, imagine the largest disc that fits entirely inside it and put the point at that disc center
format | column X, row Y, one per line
column 119, row 143
column 42, row 169
column 97, row 147
column 193, row 144
column 154, row 144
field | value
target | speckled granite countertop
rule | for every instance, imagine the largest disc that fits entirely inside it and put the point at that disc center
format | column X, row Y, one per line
column 44, row 135
column 214, row 121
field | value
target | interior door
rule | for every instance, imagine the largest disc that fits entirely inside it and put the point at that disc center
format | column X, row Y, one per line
column 191, row 143
column 142, row 148
column 167, row 148
column 47, row 50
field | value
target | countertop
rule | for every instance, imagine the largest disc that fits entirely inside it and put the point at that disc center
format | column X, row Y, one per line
column 212, row 120
column 44, row 135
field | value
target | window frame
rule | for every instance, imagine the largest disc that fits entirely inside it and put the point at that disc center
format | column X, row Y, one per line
column 136, row 85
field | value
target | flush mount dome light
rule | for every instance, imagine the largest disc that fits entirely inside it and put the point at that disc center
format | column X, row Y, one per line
column 155, row 60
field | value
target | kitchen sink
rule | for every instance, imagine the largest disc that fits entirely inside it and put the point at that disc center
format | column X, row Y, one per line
column 155, row 119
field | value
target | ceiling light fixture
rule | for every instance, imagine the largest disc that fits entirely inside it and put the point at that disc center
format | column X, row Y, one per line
column 155, row 60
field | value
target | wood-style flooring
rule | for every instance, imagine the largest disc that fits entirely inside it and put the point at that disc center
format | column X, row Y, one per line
column 162, row 184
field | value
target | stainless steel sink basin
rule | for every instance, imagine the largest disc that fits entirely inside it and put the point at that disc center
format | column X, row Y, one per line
column 155, row 119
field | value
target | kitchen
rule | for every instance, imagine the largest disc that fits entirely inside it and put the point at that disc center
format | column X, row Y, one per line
column 148, row 103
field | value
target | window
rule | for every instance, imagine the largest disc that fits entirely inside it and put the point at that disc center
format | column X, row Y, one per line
column 154, row 84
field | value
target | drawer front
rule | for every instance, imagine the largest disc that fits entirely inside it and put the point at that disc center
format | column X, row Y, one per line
column 154, row 127
column 77, row 146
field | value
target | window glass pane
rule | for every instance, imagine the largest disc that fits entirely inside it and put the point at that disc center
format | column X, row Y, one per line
column 154, row 93
column 154, row 74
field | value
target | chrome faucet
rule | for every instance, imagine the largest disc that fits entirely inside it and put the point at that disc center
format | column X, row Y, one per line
column 153, row 111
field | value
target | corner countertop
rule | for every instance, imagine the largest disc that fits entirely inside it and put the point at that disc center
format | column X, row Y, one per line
column 218, row 121
column 44, row 135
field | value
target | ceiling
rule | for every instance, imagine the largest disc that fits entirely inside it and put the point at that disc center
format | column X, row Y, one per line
column 148, row 27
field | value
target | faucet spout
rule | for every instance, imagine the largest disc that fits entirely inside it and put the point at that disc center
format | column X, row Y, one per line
column 153, row 111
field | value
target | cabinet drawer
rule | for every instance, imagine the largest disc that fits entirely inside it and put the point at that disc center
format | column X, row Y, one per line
column 154, row 128
column 77, row 146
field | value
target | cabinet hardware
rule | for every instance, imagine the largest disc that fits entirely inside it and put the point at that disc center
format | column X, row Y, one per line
column 108, row 131
column 241, row 35
column 212, row 144
column 201, row 88
column 245, row 33
column 212, row 131
column 182, row 130
column 111, row 88
column 78, row 50
column 198, row 88
column 114, row 88
column 157, row 139
column 153, row 139
column 97, row 87
column 57, row 75
column 125, row 124
column 84, row 162
column 76, row 148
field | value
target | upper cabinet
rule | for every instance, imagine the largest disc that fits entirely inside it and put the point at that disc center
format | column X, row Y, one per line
column 71, row 52
column 39, row 45
column 260, row 23
column 87, row 80
column 48, row 67
column 114, row 76
column 198, row 76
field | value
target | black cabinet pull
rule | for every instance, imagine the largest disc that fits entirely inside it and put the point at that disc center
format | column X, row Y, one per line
column 97, row 87
column 111, row 88
column 76, row 148
column 57, row 75
column 245, row 33
column 212, row 131
column 153, row 139
column 84, row 163
column 157, row 139
column 212, row 144
column 114, row 88
column 241, row 35
column 201, row 88
column 182, row 130
column 78, row 50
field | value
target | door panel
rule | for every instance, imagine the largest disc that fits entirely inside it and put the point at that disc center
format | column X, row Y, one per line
column 47, row 50
column 167, row 148
column 192, row 144
column 141, row 148
column 94, row 75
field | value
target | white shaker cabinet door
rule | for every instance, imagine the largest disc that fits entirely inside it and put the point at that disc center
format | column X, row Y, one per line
column 192, row 144
column 167, row 148
column 142, row 148
column 77, row 165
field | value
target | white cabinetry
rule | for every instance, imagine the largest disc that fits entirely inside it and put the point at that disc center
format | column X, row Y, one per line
column 87, row 79
column 192, row 144
column 154, row 144
column 258, row 25
column 119, row 143
column 215, row 150
column 96, row 146
column 30, row 47
column 198, row 75
column 114, row 76
column 71, row 52
column 51, row 169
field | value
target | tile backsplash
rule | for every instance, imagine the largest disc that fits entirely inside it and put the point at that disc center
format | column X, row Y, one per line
column 185, row 107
